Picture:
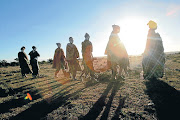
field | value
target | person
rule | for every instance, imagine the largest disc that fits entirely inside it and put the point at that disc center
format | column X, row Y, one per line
column 59, row 60
column 72, row 54
column 23, row 61
column 34, row 61
column 87, row 62
column 116, row 53
column 153, row 56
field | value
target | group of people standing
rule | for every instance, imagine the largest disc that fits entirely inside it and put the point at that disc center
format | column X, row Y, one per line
column 24, row 65
column 117, row 57
column 71, row 60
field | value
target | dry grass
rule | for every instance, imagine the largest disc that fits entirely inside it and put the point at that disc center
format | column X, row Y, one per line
column 65, row 99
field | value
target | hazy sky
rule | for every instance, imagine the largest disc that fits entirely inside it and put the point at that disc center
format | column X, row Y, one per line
column 43, row 23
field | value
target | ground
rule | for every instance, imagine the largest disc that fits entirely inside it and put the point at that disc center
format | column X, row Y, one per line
column 62, row 98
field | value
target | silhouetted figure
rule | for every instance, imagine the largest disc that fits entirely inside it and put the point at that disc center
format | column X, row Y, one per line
column 71, row 56
column 59, row 60
column 116, row 53
column 23, row 61
column 87, row 62
column 153, row 57
column 34, row 61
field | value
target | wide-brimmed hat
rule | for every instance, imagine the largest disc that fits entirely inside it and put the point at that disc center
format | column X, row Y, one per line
column 152, row 24
column 22, row 47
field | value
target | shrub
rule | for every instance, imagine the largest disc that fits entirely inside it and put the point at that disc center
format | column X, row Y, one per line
column 50, row 60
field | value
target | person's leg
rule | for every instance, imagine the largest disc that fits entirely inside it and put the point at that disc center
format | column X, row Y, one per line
column 22, row 73
column 33, row 69
column 71, row 69
column 120, row 71
column 114, row 70
column 56, row 72
column 36, row 71
column 74, row 74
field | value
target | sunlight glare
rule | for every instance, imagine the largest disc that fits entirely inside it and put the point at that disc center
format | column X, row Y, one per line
column 133, row 33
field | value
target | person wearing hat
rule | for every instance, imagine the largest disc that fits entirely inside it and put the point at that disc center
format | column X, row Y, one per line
column 87, row 62
column 72, row 54
column 153, row 56
column 59, row 61
column 116, row 53
column 34, row 61
column 23, row 61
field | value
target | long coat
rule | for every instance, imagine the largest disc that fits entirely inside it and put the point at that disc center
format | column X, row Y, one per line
column 59, row 59
column 153, row 57
column 116, row 51
column 23, row 61
column 34, row 62
column 87, row 50
column 72, row 54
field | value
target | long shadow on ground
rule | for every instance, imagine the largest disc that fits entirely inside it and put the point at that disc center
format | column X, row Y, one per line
column 165, row 98
column 41, row 109
column 100, row 103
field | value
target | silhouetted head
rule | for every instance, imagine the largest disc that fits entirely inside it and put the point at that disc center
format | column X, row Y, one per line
column 116, row 28
column 22, row 48
column 34, row 48
column 152, row 25
column 59, row 45
column 71, row 40
column 87, row 36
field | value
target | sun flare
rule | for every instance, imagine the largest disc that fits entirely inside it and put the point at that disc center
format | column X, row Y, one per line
column 133, row 33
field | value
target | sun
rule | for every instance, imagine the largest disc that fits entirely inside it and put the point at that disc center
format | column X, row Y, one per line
column 133, row 34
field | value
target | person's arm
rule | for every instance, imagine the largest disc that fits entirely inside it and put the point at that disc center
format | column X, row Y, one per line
column 67, row 50
column 63, row 56
column 91, row 47
column 77, row 52
column 25, row 56
column 38, row 55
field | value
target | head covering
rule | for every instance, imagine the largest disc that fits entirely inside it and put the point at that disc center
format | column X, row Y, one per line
column 86, row 35
column 115, row 26
column 33, row 47
column 22, row 47
column 152, row 24
column 58, row 43
column 70, row 37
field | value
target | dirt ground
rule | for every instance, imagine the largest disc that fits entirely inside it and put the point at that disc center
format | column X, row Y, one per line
column 61, row 98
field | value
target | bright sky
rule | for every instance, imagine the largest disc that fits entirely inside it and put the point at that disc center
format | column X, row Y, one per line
column 43, row 23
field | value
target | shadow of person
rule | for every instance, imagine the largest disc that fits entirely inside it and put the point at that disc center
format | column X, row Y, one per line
column 40, row 109
column 116, row 87
column 119, row 108
column 165, row 98
column 100, row 103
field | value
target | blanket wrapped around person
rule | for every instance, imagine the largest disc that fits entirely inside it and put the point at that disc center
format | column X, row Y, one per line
column 153, row 57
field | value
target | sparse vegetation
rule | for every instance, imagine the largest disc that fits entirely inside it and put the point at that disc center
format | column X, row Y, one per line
column 129, row 98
